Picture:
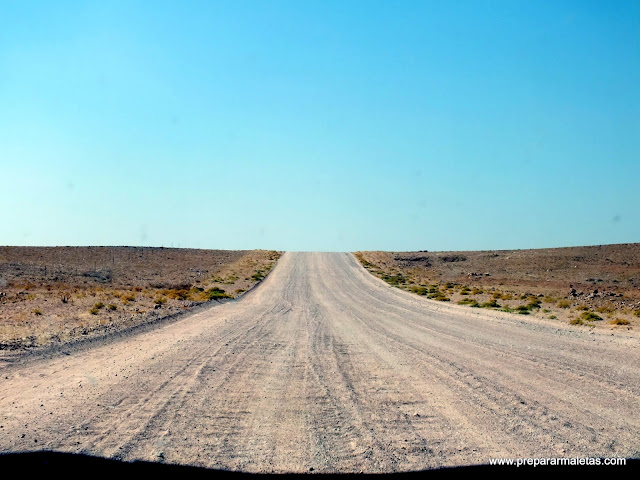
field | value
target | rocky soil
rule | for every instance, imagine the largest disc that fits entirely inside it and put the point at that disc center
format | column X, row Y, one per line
column 54, row 295
column 592, row 286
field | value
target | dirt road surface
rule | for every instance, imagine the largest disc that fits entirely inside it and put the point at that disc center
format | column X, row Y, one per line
column 325, row 367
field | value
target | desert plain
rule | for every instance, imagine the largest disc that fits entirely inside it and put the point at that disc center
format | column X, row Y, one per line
column 323, row 362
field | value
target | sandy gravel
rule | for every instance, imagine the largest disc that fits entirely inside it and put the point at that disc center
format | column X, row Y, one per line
column 324, row 366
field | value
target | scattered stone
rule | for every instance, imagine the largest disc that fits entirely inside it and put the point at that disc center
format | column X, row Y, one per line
column 454, row 258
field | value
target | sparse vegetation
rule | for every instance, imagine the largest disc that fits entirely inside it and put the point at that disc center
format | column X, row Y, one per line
column 544, row 281
column 215, row 293
column 605, row 309
column 491, row 304
column 534, row 303
column 128, row 297
column 590, row 317
column 472, row 302
column 258, row 276
column 124, row 281
column 441, row 298
column 395, row 280
column 620, row 321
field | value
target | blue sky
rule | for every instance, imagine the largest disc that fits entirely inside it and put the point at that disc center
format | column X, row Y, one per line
column 320, row 125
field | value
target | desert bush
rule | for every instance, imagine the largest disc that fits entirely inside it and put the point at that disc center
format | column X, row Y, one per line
column 605, row 309
column 523, row 309
column 549, row 299
column 259, row 275
column 620, row 321
column 564, row 303
column 160, row 301
column 433, row 293
column 37, row 311
column 472, row 302
column 419, row 290
column 582, row 308
column 552, row 317
column 99, row 305
column 111, row 306
column 176, row 294
column 590, row 317
column 394, row 279
column 214, row 293
column 476, row 291
column 491, row 304
column 533, row 303
column 576, row 321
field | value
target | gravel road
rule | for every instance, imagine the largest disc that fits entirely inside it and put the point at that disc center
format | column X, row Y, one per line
column 325, row 367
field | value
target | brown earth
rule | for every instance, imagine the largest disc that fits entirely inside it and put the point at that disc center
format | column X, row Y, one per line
column 572, row 284
column 326, row 368
column 51, row 295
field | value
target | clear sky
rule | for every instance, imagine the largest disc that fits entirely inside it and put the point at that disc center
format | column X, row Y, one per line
column 320, row 125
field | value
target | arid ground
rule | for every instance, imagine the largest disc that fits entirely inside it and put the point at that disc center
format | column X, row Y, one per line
column 53, row 295
column 323, row 367
column 591, row 286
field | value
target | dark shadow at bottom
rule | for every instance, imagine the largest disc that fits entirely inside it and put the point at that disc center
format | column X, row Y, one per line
column 70, row 464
